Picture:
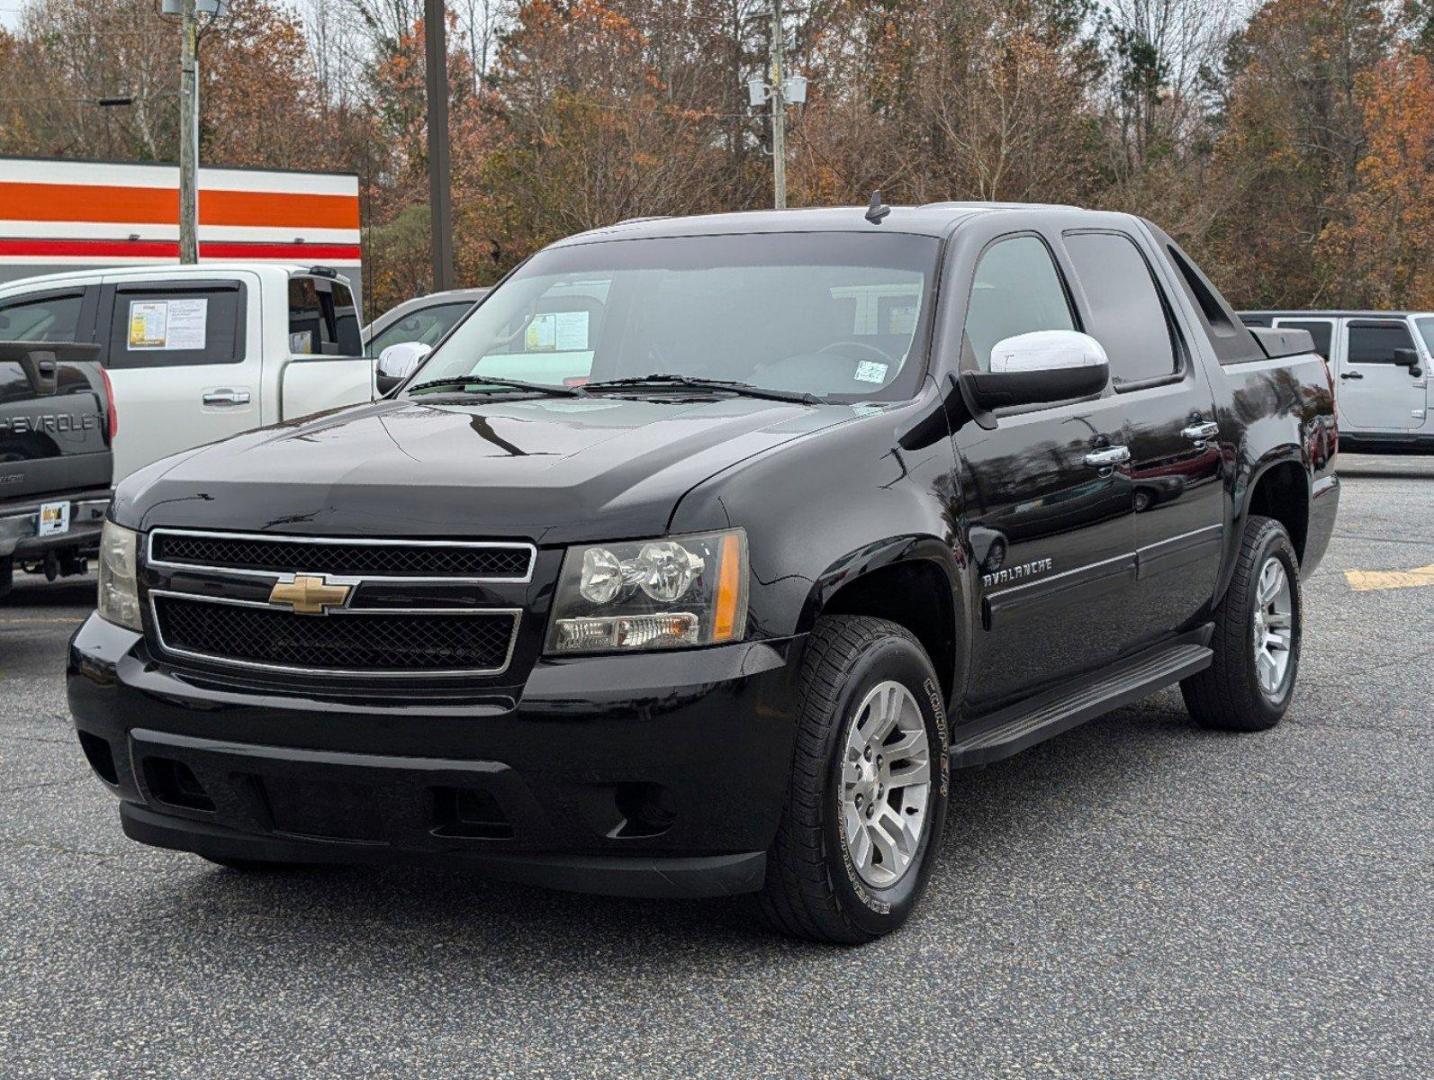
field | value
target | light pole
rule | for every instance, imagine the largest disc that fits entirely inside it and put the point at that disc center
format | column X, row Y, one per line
column 440, row 195
column 189, row 135
column 189, row 12
column 782, row 91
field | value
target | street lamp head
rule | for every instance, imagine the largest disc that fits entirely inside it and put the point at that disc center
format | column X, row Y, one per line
column 201, row 7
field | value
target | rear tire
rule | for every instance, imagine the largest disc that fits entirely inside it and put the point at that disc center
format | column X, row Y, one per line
column 830, row 876
column 7, row 576
column 1257, row 637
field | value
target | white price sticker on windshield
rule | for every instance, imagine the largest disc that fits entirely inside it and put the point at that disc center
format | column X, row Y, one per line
column 870, row 371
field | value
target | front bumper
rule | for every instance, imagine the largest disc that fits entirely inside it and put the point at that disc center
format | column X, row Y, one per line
column 19, row 526
column 654, row 775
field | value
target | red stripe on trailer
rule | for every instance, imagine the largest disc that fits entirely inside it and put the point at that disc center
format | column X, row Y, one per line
column 228, row 249
column 169, row 249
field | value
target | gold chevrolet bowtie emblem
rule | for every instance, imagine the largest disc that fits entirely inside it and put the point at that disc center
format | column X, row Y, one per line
column 309, row 595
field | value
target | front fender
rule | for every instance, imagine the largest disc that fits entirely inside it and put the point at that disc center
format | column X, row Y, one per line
column 825, row 509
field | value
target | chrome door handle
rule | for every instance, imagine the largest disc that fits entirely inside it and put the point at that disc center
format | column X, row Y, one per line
column 226, row 397
column 1104, row 459
column 1206, row 430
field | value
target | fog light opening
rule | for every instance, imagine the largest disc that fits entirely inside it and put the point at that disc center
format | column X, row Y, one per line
column 174, row 782
column 646, row 809
column 100, row 756
column 469, row 813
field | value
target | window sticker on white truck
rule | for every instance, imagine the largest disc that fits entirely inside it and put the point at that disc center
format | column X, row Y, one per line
column 168, row 324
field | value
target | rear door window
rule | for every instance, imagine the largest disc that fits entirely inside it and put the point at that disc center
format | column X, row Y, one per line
column 1321, row 330
column 1374, row 342
column 1127, row 310
column 177, row 324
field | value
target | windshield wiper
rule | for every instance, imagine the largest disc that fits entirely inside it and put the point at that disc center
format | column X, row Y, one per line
column 509, row 384
column 691, row 382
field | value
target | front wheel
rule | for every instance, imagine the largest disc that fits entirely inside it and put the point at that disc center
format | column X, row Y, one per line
column 866, row 805
column 1257, row 637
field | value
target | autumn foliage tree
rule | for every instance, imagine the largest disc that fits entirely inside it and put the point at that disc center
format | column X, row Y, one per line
column 1287, row 148
column 1379, row 250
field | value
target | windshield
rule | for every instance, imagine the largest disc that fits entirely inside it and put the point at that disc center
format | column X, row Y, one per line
column 840, row 315
column 1426, row 331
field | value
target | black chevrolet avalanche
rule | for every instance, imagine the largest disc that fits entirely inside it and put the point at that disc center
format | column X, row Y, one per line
column 704, row 553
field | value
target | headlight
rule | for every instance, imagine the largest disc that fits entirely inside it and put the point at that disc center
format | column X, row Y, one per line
column 651, row 594
column 119, row 592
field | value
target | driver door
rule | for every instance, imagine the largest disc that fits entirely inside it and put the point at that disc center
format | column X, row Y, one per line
column 1376, row 394
column 1050, row 514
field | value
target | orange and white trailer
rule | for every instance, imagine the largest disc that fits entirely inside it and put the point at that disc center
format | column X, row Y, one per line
column 59, row 215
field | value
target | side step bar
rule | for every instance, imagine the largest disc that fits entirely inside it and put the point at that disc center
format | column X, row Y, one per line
column 1012, row 730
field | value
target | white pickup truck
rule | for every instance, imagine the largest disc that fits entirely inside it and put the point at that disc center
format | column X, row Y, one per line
column 198, row 353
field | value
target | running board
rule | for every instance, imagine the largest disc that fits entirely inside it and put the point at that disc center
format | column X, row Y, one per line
column 1012, row 730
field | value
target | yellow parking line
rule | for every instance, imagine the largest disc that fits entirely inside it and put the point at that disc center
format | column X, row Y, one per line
column 1369, row 580
column 32, row 622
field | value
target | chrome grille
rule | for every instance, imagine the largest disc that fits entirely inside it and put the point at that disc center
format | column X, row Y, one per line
column 374, row 560
column 348, row 641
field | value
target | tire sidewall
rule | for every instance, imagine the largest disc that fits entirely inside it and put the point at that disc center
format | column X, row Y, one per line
column 878, row 911
column 1276, row 542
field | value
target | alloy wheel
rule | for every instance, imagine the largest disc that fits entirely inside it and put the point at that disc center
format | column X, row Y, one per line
column 886, row 784
column 1273, row 626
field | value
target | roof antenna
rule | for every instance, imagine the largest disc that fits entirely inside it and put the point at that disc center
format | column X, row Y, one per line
column 876, row 209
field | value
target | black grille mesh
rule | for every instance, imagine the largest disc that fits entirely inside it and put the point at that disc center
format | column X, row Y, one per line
column 349, row 560
column 377, row 642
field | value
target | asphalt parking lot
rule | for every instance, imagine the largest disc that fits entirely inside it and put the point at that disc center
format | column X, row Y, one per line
column 1135, row 898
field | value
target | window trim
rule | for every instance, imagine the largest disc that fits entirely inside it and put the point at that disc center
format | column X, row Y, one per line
column 1179, row 347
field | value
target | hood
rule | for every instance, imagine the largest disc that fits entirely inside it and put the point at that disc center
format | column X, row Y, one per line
column 553, row 470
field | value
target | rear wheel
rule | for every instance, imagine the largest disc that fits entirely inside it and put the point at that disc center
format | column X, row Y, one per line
column 867, row 800
column 1257, row 637
column 7, row 576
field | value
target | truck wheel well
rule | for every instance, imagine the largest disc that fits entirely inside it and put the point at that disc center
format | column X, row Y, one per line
column 1281, row 493
column 916, row 595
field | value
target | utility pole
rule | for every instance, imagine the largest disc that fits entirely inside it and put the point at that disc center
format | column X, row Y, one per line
column 440, row 201
column 189, row 135
column 779, row 111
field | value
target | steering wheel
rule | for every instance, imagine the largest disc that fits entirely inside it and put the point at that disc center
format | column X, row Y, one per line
column 884, row 356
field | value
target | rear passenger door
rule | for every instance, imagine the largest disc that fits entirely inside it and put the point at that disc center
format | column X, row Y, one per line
column 1375, row 392
column 183, row 356
column 1048, row 519
column 1167, row 408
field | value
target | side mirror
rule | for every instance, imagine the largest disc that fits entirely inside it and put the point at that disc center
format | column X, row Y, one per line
column 398, row 362
column 1408, row 358
column 1039, row 367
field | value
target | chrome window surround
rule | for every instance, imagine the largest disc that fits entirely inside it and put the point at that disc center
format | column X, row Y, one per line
column 515, row 613
column 346, row 541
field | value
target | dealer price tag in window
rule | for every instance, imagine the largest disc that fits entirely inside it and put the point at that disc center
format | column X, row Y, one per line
column 53, row 519
column 168, row 324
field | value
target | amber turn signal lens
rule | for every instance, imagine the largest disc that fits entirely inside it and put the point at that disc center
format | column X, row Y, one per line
column 729, row 588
